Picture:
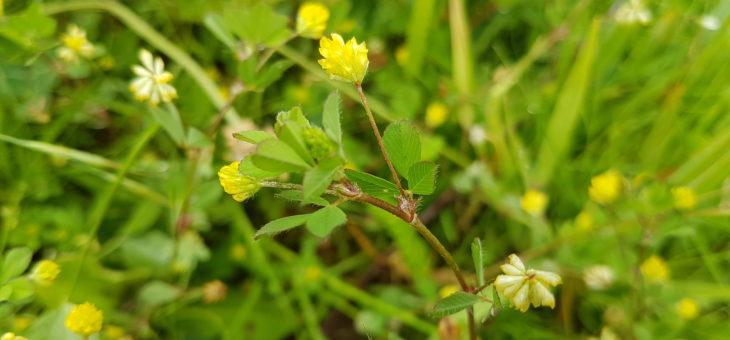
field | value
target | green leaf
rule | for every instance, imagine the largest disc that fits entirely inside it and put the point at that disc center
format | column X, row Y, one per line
column 259, row 24
column 284, row 223
column 324, row 220
column 15, row 263
column 197, row 138
column 253, row 137
column 296, row 195
column 292, row 133
column 454, row 303
column 276, row 156
column 403, row 145
column 28, row 27
column 247, row 167
column 157, row 293
column 170, row 122
column 331, row 117
column 372, row 185
column 477, row 254
column 317, row 179
column 422, row 178
column 214, row 23
column 271, row 73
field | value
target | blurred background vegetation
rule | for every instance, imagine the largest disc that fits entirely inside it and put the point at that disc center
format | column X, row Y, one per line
column 510, row 95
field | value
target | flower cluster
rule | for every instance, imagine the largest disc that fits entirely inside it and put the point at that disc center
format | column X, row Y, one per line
column 312, row 20
column 84, row 319
column 152, row 80
column 534, row 202
column 655, row 269
column 238, row 185
column 525, row 286
column 344, row 61
column 75, row 44
column 684, row 198
column 605, row 187
column 45, row 272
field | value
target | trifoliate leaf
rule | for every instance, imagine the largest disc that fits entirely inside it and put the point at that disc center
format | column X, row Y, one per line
column 324, row 220
column 331, row 117
column 403, row 145
column 276, row 156
column 318, row 178
column 422, row 178
column 372, row 185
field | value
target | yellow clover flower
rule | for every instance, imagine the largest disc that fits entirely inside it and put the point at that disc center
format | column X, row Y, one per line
column 152, row 80
column 238, row 185
column 312, row 20
column 45, row 272
column 684, row 198
column 688, row 308
column 605, row 187
column 534, row 202
column 436, row 114
column 84, row 319
column 12, row 336
column 523, row 286
column 75, row 44
column 655, row 269
column 344, row 61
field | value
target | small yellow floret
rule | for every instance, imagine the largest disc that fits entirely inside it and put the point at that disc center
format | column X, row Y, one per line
column 447, row 290
column 344, row 61
column 402, row 54
column 312, row 20
column 45, row 272
column 114, row 332
column 655, row 269
column 12, row 336
column 534, row 202
column 684, row 198
column 605, row 187
column 436, row 114
column 584, row 221
column 240, row 186
column 84, row 319
column 688, row 308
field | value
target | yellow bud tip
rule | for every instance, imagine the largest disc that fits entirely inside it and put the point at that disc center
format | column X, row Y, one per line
column 240, row 186
column 84, row 319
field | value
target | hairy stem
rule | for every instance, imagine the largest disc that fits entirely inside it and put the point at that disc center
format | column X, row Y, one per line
column 379, row 138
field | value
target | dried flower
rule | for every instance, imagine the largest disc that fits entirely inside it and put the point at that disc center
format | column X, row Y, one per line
column 214, row 291
column 240, row 186
column 45, row 272
column 534, row 202
column 523, row 286
column 599, row 277
column 605, row 187
column 84, row 319
column 152, row 80
column 75, row 44
column 344, row 61
column 684, row 198
column 312, row 20
column 655, row 269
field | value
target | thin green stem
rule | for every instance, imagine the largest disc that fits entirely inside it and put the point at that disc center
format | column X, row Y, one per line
column 441, row 250
column 379, row 138
column 97, row 214
column 154, row 38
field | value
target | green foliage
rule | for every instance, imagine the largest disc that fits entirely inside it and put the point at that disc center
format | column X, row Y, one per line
column 454, row 303
column 403, row 145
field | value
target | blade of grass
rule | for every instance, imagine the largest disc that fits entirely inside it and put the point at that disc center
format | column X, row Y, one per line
column 419, row 27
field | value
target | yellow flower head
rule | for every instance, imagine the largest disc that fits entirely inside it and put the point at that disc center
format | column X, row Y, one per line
column 684, row 198
column 655, row 269
column 84, row 319
column 534, row 202
column 688, row 308
column 12, row 336
column 75, row 44
column 344, row 61
column 605, row 187
column 447, row 290
column 312, row 20
column 436, row 114
column 240, row 186
column 45, row 272
column 152, row 80
column 522, row 285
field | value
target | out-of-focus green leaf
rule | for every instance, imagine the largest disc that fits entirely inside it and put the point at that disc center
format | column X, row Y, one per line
column 403, row 145
column 453, row 303
column 158, row 293
column 477, row 255
column 15, row 262
column 322, row 221
column 292, row 134
column 274, row 155
column 281, row 224
column 26, row 28
column 247, row 167
column 331, row 117
column 170, row 121
column 258, row 24
column 253, row 137
column 422, row 178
